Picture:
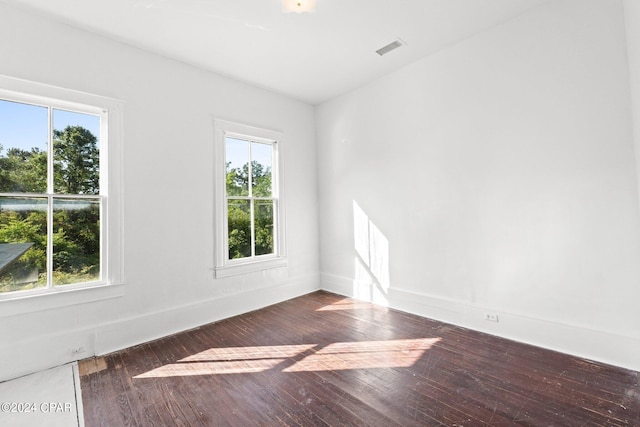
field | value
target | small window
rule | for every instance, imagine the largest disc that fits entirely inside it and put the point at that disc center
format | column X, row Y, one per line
column 54, row 220
column 250, row 227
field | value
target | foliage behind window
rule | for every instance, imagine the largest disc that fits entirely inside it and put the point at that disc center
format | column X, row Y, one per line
column 36, row 189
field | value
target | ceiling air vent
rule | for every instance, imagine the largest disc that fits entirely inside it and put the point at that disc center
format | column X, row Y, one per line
column 391, row 46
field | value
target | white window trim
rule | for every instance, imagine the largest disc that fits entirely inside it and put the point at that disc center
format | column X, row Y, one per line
column 225, row 267
column 111, row 283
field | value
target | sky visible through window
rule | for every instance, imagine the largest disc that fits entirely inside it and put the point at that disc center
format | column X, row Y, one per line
column 25, row 126
column 237, row 153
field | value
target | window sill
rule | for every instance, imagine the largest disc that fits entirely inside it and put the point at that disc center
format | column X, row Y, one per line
column 64, row 297
column 249, row 267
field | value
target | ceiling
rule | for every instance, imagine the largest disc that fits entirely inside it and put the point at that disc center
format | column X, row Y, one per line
column 312, row 57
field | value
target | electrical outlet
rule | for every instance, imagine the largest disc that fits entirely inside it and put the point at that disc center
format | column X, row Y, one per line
column 77, row 350
column 491, row 317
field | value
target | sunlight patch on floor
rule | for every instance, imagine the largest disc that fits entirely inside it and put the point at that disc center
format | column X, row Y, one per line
column 348, row 305
column 211, row 368
column 229, row 360
column 248, row 353
column 336, row 356
column 365, row 355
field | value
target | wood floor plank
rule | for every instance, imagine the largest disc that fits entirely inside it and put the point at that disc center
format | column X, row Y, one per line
column 327, row 360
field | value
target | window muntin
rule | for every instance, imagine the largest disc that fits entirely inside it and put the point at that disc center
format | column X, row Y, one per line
column 249, row 199
column 50, row 197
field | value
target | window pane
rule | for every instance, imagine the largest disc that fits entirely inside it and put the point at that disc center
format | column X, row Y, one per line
column 23, row 243
column 239, row 217
column 23, row 148
column 76, row 159
column 76, row 241
column 264, row 226
column 261, row 159
column 237, row 161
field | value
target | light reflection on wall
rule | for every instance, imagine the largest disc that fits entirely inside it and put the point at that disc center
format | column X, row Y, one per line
column 371, row 270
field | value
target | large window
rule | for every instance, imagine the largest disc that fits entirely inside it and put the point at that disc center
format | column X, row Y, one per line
column 54, row 216
column 249, row 199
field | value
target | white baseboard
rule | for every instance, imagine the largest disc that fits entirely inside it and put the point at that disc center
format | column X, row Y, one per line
column 27, row 356
column 44, row 352
column 600, row 346
column 125, row 333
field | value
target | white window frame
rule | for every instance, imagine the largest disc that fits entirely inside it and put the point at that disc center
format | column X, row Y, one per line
column 111, row 280
column 225, row 267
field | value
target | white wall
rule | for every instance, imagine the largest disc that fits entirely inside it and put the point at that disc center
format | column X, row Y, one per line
column 497, row 176
column 168, row 182
column 632, row 21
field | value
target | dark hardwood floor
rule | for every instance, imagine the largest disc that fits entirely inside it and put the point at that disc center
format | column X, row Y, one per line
column 323, row 359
